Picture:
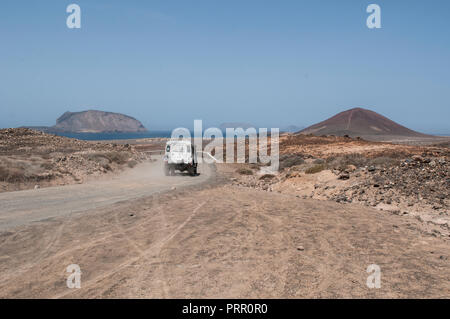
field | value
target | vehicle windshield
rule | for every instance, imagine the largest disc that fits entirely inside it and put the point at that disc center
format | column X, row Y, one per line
column 180, row 148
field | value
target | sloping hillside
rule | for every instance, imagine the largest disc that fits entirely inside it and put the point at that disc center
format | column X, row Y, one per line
column 360, row 122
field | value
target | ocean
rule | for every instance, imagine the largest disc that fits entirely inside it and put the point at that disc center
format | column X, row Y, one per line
column 114, row 136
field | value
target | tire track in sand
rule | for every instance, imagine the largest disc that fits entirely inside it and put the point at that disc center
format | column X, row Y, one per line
column 153, row 250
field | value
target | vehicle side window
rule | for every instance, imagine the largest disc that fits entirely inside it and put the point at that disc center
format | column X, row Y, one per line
column 168, row 148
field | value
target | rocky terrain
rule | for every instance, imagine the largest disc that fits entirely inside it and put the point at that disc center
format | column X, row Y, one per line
column 32, row 159
column 93, row 121
column 403, row 180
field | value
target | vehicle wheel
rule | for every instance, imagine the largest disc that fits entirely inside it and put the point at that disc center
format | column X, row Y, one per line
column 172, row 171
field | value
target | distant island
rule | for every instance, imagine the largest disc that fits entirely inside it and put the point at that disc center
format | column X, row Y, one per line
column 93, row 121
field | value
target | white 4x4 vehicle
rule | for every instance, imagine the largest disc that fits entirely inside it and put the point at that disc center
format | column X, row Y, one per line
column 180, row 155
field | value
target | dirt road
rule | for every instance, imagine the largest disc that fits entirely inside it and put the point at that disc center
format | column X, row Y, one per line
column 20, row 208
column 219, row 241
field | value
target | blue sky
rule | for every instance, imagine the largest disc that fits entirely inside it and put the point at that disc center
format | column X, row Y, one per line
column 269, row 63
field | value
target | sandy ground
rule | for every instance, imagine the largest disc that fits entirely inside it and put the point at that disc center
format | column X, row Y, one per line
column 217, row 240
column 19, row 208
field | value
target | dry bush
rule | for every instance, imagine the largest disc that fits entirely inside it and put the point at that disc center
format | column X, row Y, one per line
column 342, row 162
column 3, row 173
column 267, row 177
column 96, row 157
column 42, row 178
column 384, row 161
column 117, row 157
column 110, row 157
column 47, row 165
column 287, row 161
column 244, row 171
column 319, row 161
column 132, row 163
column 13, row 175
column 358, row 160
column 59, row 150
column 442, row 144
column 316, row 169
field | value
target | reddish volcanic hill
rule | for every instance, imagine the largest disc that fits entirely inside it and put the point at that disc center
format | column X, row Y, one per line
column 360, row 122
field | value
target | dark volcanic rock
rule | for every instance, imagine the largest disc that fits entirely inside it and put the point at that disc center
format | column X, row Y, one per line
column 344, row 175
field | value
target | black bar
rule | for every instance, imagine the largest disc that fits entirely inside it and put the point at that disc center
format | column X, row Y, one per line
column 223, row 308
